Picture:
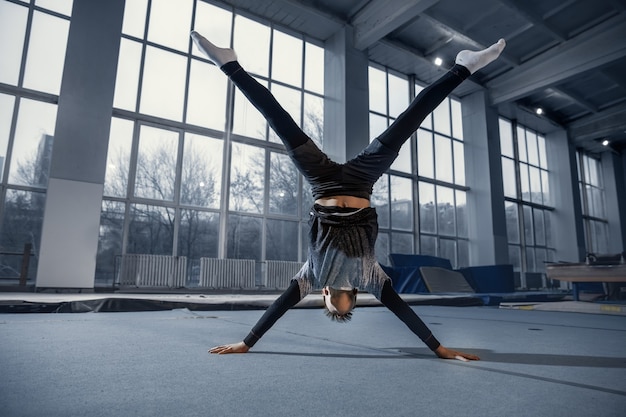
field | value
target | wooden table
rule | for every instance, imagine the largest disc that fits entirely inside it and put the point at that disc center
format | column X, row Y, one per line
column 582, row 272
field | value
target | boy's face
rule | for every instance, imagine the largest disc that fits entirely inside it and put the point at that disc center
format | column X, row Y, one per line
column 339, row 301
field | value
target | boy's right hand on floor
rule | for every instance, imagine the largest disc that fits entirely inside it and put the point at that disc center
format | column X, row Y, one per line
column 445, row 353
column 231, row 348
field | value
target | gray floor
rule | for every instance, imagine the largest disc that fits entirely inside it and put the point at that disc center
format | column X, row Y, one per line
column 534, row 363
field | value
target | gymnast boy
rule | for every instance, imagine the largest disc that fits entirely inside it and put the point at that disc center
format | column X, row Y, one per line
column 343, row 226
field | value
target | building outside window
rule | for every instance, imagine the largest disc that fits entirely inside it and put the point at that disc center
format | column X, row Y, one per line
column 33, row 54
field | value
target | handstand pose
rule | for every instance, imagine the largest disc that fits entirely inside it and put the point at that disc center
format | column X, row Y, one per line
column 343, row 226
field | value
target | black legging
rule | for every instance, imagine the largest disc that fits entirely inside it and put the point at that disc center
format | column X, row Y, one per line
column 373, row 161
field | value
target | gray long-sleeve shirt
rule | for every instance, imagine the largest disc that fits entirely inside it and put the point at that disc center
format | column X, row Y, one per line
column 341, row 251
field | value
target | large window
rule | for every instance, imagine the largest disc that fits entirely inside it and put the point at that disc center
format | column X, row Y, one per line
column 33, row 39
column 442, row 191
column 193, row 168
column 424, row 192
column 528, row 205
column 591, row 188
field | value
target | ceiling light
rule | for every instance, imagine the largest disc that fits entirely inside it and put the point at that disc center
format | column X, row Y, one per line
column 605, row 142
column 539, row 110
column 438, row 61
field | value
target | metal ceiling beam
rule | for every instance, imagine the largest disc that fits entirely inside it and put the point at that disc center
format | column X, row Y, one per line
column 432, row 49
column 486, row 12
column 309, row 8
column 538, row 51
column 599, row 125
column 459, row 34
column 305, row 7
column 380, row 17
column 454, row 31
column 558, row 8
column 405, row 49
column 523, row 10
column 592, row 49
column 618, row 81
column 578, row 99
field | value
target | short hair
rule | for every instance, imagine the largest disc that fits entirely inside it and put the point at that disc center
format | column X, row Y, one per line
column 339, row 318
column 335, row 316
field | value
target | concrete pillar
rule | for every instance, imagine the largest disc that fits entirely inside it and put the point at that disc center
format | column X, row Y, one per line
column 483, row 174
column 69, row 241
column 346, row 106
column 615, row 200
column 567, row 223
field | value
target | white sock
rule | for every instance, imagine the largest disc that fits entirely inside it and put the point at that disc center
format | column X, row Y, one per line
column 475, row 60
column 219, row 56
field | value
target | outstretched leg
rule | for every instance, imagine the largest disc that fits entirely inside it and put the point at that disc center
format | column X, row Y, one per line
column 381, row 153
column 282, row 123
column 466, row 63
